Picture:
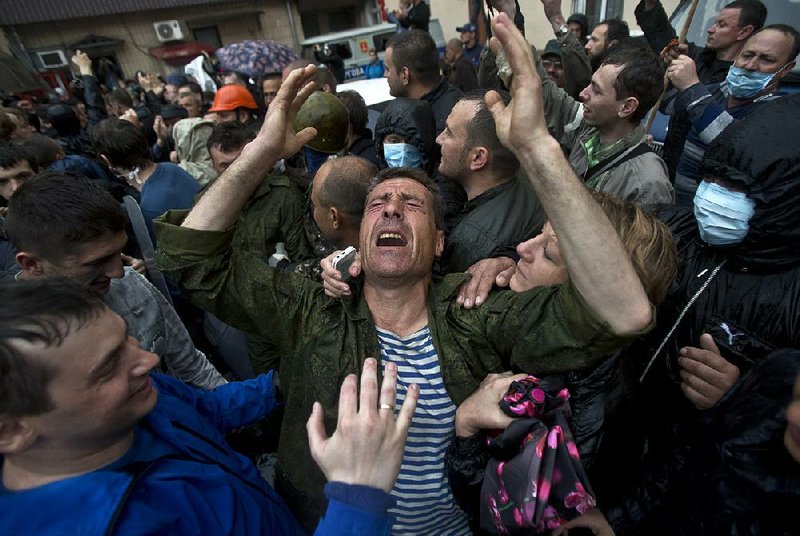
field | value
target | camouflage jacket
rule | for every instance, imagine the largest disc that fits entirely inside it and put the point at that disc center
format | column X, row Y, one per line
column 273, row 215
column 322, row 340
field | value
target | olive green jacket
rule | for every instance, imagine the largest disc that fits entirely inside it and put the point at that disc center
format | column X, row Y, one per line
column 274, row 214
column 322, row 340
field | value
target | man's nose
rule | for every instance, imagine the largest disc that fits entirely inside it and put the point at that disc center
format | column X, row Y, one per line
column 393, row 209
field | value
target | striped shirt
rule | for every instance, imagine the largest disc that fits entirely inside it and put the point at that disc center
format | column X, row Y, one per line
column 425, row 504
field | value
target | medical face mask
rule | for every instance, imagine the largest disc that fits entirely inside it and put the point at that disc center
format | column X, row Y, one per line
column 314, row 159
column 744, row 84
column 132, row 177
column 722, row 215
column 402, row 155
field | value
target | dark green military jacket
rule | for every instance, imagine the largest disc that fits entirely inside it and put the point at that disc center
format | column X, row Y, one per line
column 274, row 214
column 322, row 340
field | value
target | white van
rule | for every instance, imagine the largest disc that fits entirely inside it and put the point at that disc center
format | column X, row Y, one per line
column 353, row 45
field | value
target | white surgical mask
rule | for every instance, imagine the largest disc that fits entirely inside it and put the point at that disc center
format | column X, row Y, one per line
column 722, row 215
column 744, row 84
column 402, row 155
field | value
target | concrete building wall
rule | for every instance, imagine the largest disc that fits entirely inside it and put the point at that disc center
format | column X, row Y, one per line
column 235, row 21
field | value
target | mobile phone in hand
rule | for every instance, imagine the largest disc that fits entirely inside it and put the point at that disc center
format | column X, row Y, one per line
column 343, row 260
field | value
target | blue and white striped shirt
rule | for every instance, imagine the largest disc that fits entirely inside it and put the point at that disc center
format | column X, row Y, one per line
column 425, row 504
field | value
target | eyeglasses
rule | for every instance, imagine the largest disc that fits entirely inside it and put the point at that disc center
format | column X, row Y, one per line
column 552, row 63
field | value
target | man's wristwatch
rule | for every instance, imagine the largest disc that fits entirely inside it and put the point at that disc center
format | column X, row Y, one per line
column 561, row 32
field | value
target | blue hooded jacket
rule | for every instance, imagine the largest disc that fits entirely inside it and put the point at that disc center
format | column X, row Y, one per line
column 180, row 476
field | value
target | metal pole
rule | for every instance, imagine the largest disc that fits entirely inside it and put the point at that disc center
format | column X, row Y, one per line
column 293, row 27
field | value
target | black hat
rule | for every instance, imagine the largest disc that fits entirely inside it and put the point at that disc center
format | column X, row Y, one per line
column 170, row 111
column 553, row 47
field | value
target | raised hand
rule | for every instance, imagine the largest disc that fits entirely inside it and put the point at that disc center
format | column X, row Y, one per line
column 367, row 446
column 521, row 123
column 83, row 62
column 277, row 138
column 682, row 72
column 486, row 274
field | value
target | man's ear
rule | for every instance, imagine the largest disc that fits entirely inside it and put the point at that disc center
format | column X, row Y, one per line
column 335, row 217
column 745, row 32
column 31, row 263
column 405, row 74
column 16, row 435
column 439, row 242
column 629, row 106
column 478, row 158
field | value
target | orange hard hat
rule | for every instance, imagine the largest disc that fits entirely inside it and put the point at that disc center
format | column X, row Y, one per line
column 232, row 97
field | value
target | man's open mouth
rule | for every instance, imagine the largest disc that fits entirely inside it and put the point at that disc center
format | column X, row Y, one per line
column 391, row 240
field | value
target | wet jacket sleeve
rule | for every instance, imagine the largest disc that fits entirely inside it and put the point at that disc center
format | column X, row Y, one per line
column 180, row 356
column 95, row 106
column 418, row 17
column 355, row 510
column 548, row 330
column 231, row 405
column 577, row 69
column 655, row 25
column 708, row 116
column 562, row 113
column 237, row 287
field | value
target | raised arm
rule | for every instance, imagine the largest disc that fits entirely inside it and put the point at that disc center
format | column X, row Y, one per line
column 598, row 265
column 219, row 208
column 654, row 22
column 577, row 69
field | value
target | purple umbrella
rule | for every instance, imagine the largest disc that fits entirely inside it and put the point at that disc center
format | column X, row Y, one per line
column 255, row 58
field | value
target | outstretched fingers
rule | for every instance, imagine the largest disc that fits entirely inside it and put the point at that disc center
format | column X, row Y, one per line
column 407, row 410
column 317, row 437
column 388, row 389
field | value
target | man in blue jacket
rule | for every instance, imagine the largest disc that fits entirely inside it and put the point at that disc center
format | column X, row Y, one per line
column 93, row 442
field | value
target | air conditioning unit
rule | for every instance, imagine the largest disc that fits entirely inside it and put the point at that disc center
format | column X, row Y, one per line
column 168, row 30
column 52, row 59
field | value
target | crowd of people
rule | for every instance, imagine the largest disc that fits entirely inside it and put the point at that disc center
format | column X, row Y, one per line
column 547, row 324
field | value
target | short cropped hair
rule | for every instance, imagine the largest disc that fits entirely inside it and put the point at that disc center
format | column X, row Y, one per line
column 44, row 311
column 12, row 154
column 123, row 143
column 346, row 184
column 482, row 132
column 421, row 177
column 641, row 76
column 416, row 50
column 51, row 213
column 121, row 96
column 325, row 76
column 357, row 112
column 230, row 136
column 43, row 149
column 752, row 12
column 647, row 240
column 616, row 29
column 190, row 87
